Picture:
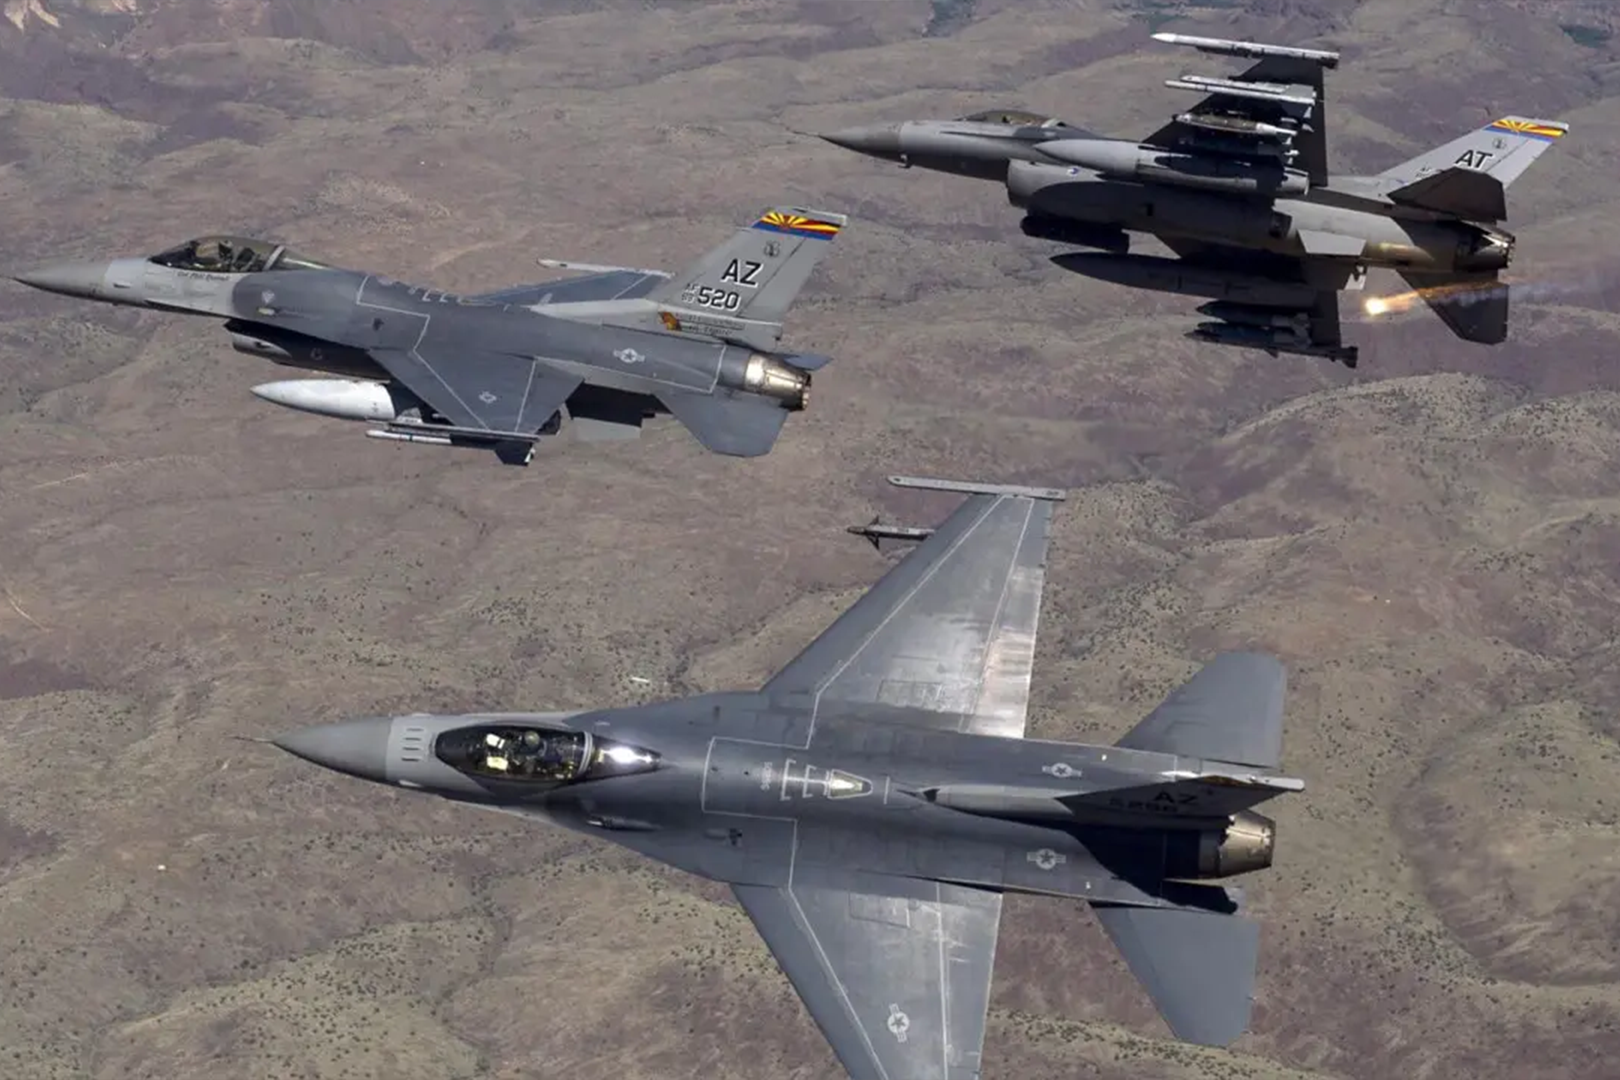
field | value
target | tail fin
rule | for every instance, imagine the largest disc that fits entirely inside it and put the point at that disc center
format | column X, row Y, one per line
column 1473, row 305
column 1197, row 966
column 742, row 289
column 1231, row 710
column 1502, row 149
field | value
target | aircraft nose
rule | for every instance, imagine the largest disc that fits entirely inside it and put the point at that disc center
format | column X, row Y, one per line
column 356, row 747
column 879, row 140
column 69, row 279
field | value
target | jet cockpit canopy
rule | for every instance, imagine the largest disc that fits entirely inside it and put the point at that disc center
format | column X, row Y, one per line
column 233, row 255
column 531, row 754
column 1012, row 118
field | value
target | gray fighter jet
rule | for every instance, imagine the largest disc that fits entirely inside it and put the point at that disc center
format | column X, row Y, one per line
column 497, row 370
column 873, row 801
column 1238, row 187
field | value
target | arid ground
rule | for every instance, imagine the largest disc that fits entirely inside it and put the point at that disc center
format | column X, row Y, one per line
column 1431, row 542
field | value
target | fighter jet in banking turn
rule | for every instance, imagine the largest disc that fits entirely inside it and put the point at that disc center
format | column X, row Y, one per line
column 498, row 370
column 871, row 803
column 1238, row 187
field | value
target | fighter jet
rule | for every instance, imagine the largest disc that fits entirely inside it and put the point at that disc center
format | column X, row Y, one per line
column 872, row 802
column 1238, row 187
column 611, row 347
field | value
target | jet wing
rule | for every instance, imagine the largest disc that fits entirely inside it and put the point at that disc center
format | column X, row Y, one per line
column 951, row 628
column 1277, row 102
column 481, row 393
column 900, row 988
column 607, row 285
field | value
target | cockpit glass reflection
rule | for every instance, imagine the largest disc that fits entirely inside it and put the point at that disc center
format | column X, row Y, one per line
column 233, row 255
column 537, row 755
column 1013, row 118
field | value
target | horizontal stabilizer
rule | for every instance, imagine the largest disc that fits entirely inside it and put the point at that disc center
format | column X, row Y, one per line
column 1231, row 710
column 1474, row 306
column 1460, row 192
column 738, row 426
column 1197, row 967
column 808, row 361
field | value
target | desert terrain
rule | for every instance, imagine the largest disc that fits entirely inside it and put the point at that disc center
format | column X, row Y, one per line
column 1431, row 542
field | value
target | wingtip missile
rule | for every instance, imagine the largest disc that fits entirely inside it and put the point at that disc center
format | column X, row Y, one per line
column 597, row 268
column 1252, row 49
column 975, row 487
column 876, row 532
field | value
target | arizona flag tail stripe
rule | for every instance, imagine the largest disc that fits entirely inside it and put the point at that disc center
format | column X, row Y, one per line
column 1533, row 129
column 798, row 225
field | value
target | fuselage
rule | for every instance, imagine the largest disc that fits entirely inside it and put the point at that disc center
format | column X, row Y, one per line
column 1297, row 227
column 743, row 789
column 329, row 319
column 1056, row 171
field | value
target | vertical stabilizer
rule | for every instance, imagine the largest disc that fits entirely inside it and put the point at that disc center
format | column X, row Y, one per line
column 742, row 289
column 1502, row 149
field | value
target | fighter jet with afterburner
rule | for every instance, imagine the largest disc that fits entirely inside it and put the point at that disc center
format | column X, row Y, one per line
column 872, row 802
column 611, row 347
column 1238, row 188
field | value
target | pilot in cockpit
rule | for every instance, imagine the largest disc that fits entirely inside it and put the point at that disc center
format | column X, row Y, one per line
column 533, row 755
column 546, row 756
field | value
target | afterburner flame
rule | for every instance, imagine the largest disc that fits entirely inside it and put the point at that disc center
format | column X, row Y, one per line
column 1376, row 306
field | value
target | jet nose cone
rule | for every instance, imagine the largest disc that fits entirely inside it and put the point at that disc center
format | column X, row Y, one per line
column 69, row 279
column 878, row 140
column 356, row 747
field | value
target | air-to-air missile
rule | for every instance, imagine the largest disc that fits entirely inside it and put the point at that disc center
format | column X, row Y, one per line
column 1238, row 187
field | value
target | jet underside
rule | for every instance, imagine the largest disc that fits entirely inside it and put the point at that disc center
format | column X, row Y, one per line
column 839, row 806
column 873, row 800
